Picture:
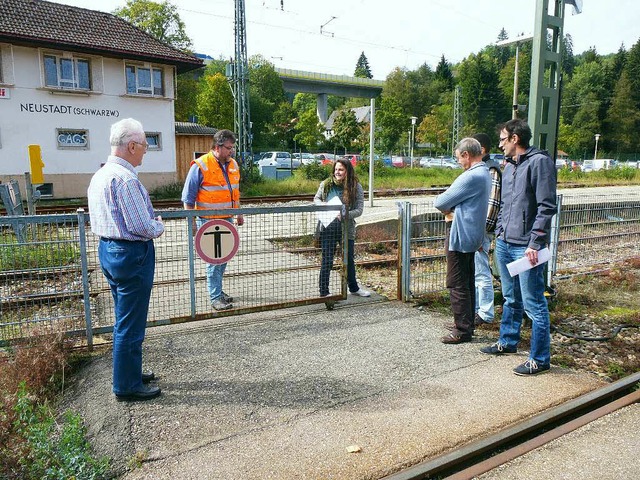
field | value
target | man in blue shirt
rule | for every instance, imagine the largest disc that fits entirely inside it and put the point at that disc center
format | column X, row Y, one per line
column 122, row 216
column 464, row 205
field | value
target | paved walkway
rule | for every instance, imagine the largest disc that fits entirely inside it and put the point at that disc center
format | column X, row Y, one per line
column 286, row 394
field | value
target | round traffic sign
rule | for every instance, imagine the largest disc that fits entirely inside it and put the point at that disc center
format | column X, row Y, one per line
column 217, row 241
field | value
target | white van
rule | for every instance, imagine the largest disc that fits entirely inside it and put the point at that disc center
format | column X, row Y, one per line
column 596, row 164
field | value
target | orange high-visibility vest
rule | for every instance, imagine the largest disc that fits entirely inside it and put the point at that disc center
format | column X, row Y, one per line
column 215, row 192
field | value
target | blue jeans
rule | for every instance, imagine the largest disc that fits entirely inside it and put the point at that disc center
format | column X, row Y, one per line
column 524, row 292
column 129, row 268
column 214, row 272
column 330, row 238
column 484, row 281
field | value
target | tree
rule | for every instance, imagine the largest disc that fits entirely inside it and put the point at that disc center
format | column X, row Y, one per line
column 483, row 103
column 392, row 122
column 186, row 104
column 309, row 130
column 362, row 67
column 435, row 128
column 623, row 119
column 345, row 129
column 444, row 74
column 215, row 102
column 160, row 20
column 282, row 126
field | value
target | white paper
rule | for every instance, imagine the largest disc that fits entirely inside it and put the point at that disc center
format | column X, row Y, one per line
column 326, row 217
column 523, row 264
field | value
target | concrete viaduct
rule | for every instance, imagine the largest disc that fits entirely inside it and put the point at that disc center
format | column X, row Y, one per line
column 297, row 81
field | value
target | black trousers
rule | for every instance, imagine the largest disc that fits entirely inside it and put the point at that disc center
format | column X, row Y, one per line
column 462, row 290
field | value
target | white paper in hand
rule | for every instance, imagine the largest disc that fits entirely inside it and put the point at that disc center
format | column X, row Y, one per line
column 523, row 264
column 329, row 216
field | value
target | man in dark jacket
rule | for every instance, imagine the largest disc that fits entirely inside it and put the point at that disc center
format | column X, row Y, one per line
column 524, row 224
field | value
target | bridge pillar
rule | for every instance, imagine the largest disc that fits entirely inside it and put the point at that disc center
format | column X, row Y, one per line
column 322, row 107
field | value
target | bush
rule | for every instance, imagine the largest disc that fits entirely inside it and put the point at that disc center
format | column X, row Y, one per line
column 167, row 192
column 316, row 171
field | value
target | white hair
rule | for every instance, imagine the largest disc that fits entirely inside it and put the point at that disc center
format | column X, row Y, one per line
column 125, row 131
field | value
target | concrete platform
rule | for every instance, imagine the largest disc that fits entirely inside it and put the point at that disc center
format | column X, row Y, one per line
column 286, row 394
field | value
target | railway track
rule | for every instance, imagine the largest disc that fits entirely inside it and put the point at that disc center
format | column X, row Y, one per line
column 49, row 209
column 488, row 453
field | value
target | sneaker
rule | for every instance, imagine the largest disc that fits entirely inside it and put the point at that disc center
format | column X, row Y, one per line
column 226, row 297
column 498, row 349
column 530, row 367
column 361, row 292
column 220, row 304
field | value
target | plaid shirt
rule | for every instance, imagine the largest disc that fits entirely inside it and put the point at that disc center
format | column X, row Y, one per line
column 119, row 205
column 494, row 194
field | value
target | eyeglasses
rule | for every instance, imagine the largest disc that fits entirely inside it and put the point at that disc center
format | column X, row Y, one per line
column 232, row 147
column 503, row 139
column 145, row 144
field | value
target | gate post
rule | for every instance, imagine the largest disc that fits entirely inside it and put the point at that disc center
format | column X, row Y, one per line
column 85, row 276
column 404, row 251
column 554, row 238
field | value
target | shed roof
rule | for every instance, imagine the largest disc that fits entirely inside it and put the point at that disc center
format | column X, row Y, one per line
column 53, row 25
column 188, row 128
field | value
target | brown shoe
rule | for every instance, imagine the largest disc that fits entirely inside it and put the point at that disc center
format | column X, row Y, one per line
column 454, row 339
column 479, row 322
column 450, row 326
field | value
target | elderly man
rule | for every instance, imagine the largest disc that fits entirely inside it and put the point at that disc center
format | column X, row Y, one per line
column 213, row 182
column 122, row 216
column 523, row 228
column 464, row 204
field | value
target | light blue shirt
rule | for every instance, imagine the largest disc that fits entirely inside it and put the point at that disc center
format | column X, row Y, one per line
column 468, row 197
column 119, row 205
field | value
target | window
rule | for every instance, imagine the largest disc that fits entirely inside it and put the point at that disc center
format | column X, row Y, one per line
column 153, row 139
column 72, row 139
column 6, row 65
column 67, row 72
column 144, row 80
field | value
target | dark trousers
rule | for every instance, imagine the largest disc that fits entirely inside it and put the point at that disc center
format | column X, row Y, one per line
column 129, row 268
column 329, row 239
column 462, row 290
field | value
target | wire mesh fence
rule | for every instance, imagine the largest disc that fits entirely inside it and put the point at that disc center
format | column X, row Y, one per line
column 54, row 280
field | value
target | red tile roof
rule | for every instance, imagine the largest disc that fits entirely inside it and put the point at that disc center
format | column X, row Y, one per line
column 53, row 25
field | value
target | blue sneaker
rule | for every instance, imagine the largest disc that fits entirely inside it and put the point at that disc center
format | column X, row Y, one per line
column 530, row 367
column 498, row 349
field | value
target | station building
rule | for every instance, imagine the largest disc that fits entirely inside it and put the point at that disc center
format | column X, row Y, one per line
column 66, row 75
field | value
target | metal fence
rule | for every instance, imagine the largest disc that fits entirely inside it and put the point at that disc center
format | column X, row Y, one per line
column 53, row 281
column 590, row 230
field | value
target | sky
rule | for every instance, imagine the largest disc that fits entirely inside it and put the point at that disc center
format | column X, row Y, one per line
column 329, row 36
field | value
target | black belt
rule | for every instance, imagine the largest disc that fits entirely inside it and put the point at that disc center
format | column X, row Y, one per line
column 107, row 239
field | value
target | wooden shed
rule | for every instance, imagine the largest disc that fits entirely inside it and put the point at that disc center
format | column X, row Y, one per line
column 192, row 140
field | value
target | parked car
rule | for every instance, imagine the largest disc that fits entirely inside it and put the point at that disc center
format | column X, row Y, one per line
column 325, row 158
column 278, row 159
column 497, row 157
column 426, row 162
column 399, row 162
column 561, row 163
column 443, row 162
column 597, row 164
column 305, row 158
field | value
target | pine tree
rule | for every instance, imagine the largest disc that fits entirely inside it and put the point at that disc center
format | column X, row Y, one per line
column 362, row 67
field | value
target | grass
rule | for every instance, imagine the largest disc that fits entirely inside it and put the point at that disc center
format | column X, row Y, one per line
column 37, row 254
column 34, row 443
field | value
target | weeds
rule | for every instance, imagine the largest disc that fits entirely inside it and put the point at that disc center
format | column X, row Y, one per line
column 33, row 445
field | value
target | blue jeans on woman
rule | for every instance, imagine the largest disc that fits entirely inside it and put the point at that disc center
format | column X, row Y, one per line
column 523, row 293
column 129, row 268
column 331, row 235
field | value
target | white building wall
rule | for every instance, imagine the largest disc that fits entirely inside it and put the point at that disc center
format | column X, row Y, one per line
column 30, row 114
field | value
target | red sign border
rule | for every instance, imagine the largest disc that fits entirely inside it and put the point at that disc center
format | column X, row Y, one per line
column 200, row 233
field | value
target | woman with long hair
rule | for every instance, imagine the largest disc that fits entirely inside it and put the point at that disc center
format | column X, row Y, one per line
column 343, row 184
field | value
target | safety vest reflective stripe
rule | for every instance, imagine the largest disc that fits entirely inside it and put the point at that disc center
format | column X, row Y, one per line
column 213, row 206
column 213, row 188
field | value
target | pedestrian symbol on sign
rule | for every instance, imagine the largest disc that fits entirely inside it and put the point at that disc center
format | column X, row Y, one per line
column 217, row 241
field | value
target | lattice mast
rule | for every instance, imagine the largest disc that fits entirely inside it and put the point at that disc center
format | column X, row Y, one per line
column 457, row 120
column 240, row 78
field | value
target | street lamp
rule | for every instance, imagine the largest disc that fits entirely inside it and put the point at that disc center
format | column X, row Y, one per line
column 517, row 40
column 413, row 139
column 595, row 153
